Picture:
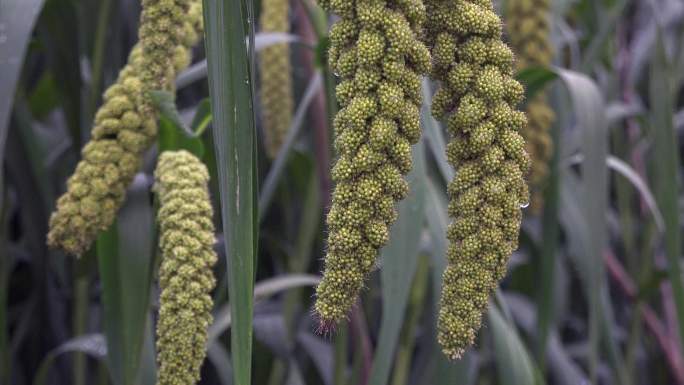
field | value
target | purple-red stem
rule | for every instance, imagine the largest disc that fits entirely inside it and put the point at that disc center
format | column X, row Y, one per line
column 360, row 336
column 665, row 340
column 637, row 160
column 317, row 110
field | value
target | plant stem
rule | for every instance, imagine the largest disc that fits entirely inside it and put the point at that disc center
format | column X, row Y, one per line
column 361, row 340
column 317, row 110
column 80, row 317
column 654, row 325
column 402, row 362
column 549, row 245
column 339, row 372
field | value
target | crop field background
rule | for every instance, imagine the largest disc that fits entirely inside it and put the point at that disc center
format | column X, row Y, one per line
column 593, row 293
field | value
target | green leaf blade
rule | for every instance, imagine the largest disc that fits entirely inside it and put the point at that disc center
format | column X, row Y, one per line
column 400, row 260
column 125, row 260
column 234, row 134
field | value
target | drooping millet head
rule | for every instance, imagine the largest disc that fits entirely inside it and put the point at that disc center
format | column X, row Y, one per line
column 477, row 97
column 376, row 52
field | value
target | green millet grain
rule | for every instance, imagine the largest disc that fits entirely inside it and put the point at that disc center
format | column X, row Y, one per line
column 529, row 32
column 376, row 52
column 185, row 275
column 276, row 78
column 477, row 97
column 125, row 125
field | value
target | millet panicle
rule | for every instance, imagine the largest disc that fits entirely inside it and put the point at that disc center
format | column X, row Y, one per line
column 376, row 52
column 477, row 97
column 125, row 125
column 529, row 32
column 276, row 77
column 185, row 276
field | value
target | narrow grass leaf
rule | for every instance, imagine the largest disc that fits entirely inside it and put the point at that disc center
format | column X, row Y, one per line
column 93, row 345
column 166, row 105
column 666, row 166
column 202, row 119
column 219, row 357
column 445, row 372
column 174, row 134
column 513, row 363
column 17, row 19
column 276, row 171
column 148, row 360
column 110, row 274
column 598, row 41
column 198, row 71
column 577, row 230
column 58, row 28
column 562, row 369
column 227, row 24
column 417, row 305
column 633, row 177
column 263, row 290
column 624, row 169
column 434, row 136
column 550, row 238
column 320, row 352
column 399, row 262
column 589, row 108
column 172, row 138
column 535, row 79
column 125, row 255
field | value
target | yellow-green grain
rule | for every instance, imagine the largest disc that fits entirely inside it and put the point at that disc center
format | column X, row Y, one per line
column 529, row 32
column 376, row 52
column 477, row 98
column 125, row 125
column 185, row 275
column 276, row 77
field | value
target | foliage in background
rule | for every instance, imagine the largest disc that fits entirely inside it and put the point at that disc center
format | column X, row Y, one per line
column 593, row 295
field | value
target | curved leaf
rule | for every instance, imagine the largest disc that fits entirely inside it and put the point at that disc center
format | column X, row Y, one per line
column 93, row 345
column 125, row 256
column 228, row 25
column 399, row 262
column 262, row 290
column 513, row 362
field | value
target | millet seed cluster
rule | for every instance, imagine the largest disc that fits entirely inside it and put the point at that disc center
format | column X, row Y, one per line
column 376, row 52
column 380, row 51
column 125, row 125
column 276, row 77
column 528, row 30
column 477, row 97
column 185, row 276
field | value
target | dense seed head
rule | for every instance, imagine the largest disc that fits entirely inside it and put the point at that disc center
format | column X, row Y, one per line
column 477, row 97
column 377, row 55
column 185, row 275
column 529, row 32
column 276, row 78
column 125, row 125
